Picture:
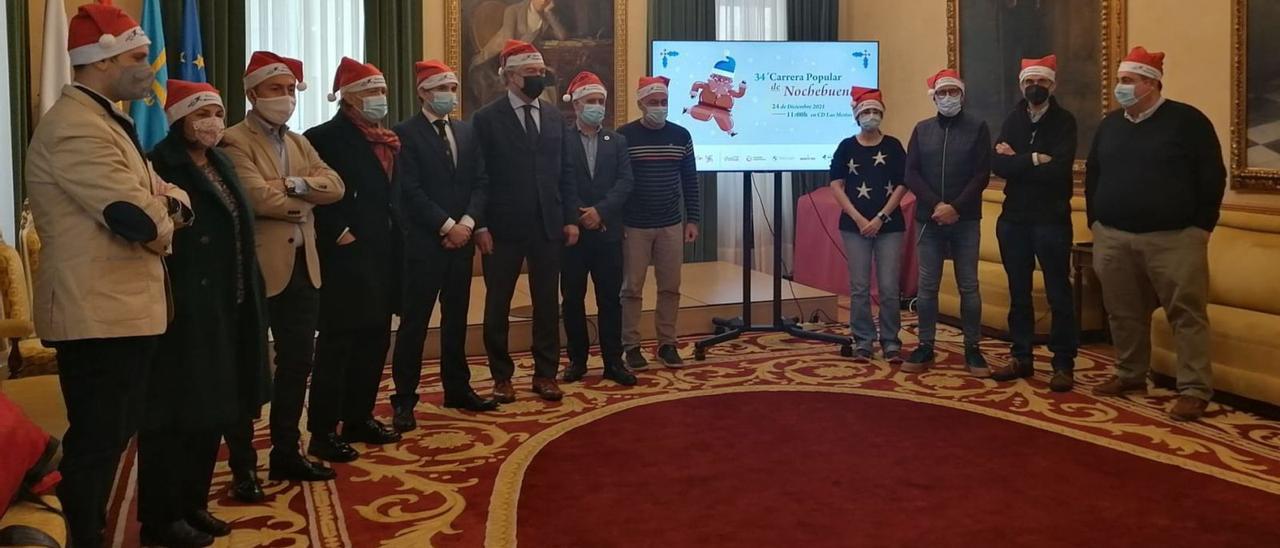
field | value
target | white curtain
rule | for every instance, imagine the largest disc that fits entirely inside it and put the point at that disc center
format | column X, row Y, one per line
column 8, row 221
column 320, row 33
column 752, row 20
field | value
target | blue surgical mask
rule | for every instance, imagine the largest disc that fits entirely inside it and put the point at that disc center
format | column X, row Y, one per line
column 950, row 105
column 592, row 114
column 374, row 108
column 1127, row 95
column 442, row 102
column 656, row 116
column 869, row 122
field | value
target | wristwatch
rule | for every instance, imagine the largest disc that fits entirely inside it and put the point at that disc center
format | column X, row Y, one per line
column 883, row 218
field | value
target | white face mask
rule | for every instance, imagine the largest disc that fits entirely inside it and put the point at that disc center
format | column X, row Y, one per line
column 374, row 108
column 949, row 105
column 208, row 131
column 869, row 122
column 276, row 110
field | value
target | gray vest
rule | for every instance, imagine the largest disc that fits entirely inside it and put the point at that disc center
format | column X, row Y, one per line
column 946, row 154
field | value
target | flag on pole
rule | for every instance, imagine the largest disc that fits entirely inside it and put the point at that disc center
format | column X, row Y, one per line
column 55, row 69
column 191, row 59
column 148, row 113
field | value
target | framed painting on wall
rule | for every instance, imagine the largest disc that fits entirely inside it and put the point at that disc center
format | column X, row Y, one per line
column 1255, row 123
column 987, row 39
column 573, row 36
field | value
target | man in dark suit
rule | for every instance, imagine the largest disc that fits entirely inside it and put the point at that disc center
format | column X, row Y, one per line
column 602, row 175
column 440, row 199
column 359, row 247
column 527, row 218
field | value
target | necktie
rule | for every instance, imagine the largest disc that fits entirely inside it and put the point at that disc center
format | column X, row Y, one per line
column 530, row 126
column 444, row 138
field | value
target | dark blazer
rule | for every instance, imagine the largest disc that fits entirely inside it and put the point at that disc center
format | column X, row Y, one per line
column 360, row 287
column 430, row 188
column 609, row 189
column 521, row 175
column 211, row 367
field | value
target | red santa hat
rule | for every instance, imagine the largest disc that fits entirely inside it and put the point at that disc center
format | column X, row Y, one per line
column 264, row 64
column 650, row 85
column 944, row 77
column 584, row 84
column 353, row 76
column 1146, row 63
column 865, row 98
column 1045, row 67
column 186, row 97
column 433, row 73
column 98, row 32
column 518, row 54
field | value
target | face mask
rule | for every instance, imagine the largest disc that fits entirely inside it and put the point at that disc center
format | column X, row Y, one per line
column 374, row 108
column 134, row 83
column 869, row 122
column 1127, row 95
column 442, row 102
column 276, row 110
column 593, row 115
column 208, row 131
column 533, row 86
column 1036, row 94
column 949, row 106
column 656, row 116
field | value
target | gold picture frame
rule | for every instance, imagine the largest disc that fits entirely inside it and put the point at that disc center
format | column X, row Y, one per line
column 1111, row 24
column 1243, row 177
column 620, row 86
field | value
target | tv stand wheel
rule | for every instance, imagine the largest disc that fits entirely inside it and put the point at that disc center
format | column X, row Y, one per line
column 846, row 350
column 699, row 353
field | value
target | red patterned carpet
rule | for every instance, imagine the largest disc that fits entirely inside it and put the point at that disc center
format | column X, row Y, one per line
column 774, row 441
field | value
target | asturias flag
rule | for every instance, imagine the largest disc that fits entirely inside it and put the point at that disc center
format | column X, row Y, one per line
column 148, row 113
column 191, row 60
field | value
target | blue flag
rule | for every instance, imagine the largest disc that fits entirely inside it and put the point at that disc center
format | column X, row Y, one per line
column 148, row 113
column 191, row 60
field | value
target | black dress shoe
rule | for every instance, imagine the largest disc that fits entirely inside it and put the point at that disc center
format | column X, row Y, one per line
column 178, row 534
column 618, row 373
column 403, row 420
column 369, row 431
column 470, row 402
column 575, row 372
column 246, row 488
column 296, row 467
column 202, row 520
column 330, row 447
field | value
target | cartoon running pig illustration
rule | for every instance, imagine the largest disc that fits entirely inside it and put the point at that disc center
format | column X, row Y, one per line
column 717, row 95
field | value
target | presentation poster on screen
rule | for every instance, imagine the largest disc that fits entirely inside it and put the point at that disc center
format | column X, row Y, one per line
column 765, row 106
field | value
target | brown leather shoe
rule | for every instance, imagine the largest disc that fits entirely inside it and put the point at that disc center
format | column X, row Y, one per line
column 504, row 392
column 1188, row 408
column 1115, row 386
column 547, row 389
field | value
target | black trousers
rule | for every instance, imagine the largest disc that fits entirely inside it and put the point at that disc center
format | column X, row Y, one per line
column 444, row 275
column 344, row 387
column 602, row 260
column 501, row 272
column 243, row 458
column 293, row 316
column 175, row 470
column 104, row 385
column 1021, row 246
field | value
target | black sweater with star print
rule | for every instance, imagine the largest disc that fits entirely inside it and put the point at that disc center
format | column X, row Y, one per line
column 870, row 175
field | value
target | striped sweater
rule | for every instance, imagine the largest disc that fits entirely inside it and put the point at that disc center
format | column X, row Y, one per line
column 665, row 170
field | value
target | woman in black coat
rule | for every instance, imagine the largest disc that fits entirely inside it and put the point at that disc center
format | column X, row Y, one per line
column 210, row 375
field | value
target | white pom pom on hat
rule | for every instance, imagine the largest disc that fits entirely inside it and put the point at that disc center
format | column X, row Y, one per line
column 107, row 41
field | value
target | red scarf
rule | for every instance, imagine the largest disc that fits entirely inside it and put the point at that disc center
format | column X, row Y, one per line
column 385, row 143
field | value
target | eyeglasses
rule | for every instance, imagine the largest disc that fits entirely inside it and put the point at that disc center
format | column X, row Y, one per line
column 949, row 92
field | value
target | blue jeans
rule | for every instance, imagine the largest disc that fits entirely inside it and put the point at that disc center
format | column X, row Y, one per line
column 1021, row 246
column 887, row 251
column 959, row 242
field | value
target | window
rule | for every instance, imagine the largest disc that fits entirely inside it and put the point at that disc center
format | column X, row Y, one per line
column 320, row 33
column 8, row 220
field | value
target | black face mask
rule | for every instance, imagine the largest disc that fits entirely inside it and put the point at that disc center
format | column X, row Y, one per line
column 533, row 86
column 1036, row 94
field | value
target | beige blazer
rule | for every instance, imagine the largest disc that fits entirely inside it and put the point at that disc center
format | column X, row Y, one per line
column 279, row 214
column 93, row 283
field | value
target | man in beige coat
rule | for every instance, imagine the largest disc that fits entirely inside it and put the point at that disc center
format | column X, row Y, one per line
column 284, row 178
column 106, row 222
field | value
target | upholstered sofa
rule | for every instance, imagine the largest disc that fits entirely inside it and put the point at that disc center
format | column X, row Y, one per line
column 994, row 284
column 1244, row 308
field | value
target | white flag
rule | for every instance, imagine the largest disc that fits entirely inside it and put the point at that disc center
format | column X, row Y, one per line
column 55, row 71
